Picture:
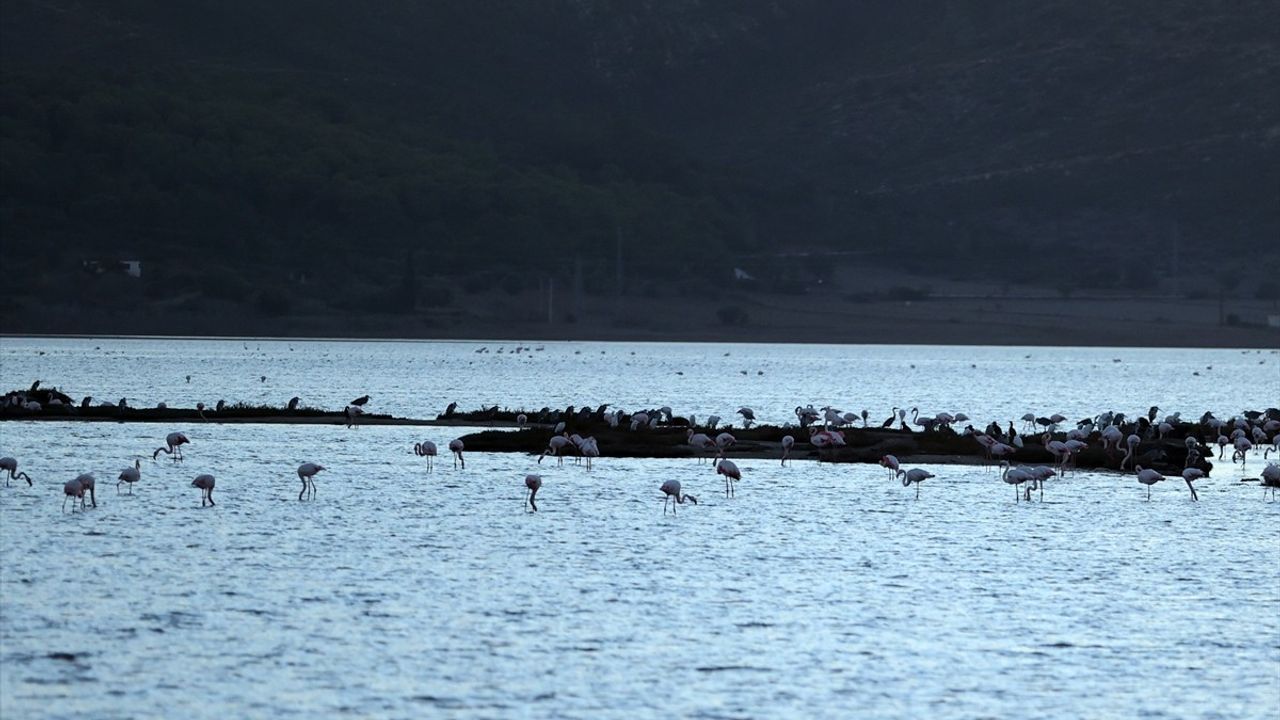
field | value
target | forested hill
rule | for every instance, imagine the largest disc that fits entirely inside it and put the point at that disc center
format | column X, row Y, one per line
column 250, row 141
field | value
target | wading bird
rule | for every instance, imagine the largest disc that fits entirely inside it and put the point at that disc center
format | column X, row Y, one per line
column 891, row 462
column 699, row 441
column 10, row 465
column 73, row 489
column 307, row 473
column 1270, row 479
column 130, row 476
column 556, row 447
column 426, row 449
column 787, row 443
column 671, row 489
column 731, row 474
column 173, row 446
column 914, row 475
column 533, row 483
column 205, row 483
column 1190, row 475
column 456, row 447
column 1148, row 477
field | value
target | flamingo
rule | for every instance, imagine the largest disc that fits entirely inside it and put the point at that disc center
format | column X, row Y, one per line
column 1148, row 477
column 533, row 483
column 1243, row 446
column 1270, row 479
column 307, row 473
column 1015, row 476
column 521, row 419
column 748, row 416
column 891, row 462
column 426, row 449
column 173, row 446
column 1029, row 421
column 73, row 489
column 130, row 476
column 352, row 414
column 456, row 447
column 205, row 483
column 787, row 443
column 1190, row 475
column 914, row 475
column 1132, row 442
column 555, row 447
column 671, row 489
column 699, row 441
column 1040, row 473
column 731, row 474
column 724, row 441
column 589, row 450
column 10, row 465
column 87, row 483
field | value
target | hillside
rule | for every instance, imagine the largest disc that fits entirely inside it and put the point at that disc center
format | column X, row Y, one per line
column 330, row 158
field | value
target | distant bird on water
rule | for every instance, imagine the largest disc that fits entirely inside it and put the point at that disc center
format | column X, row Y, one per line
column 173, row 446
column 426, row 449
column 456, row 447
column 671, row 489
column 130, row 476
column 533, row 483
column 10, row 465
column 306, row 473
column 1190, row 475
column 360, row 401
column 914, row 475
column 1270, row 479
column 74, row 490
column 205, row 483
column 1148, row 477
column 731, row 474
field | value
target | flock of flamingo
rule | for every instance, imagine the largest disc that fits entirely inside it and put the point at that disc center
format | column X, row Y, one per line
column 823, row 431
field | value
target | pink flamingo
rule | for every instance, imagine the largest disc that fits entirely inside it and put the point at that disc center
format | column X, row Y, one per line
column 73, row 489
column 891, row 462
column 787, row 443
column 731, row 474
column 173, row 446
column 130, row 476
column 455, row 446
column 205, row 483
column 533, row 483
column 307, row 473
column 671, row 489
column 10, row 465
column 426, row 449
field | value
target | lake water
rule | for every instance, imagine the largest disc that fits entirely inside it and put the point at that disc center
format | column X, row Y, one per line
column 818, row 591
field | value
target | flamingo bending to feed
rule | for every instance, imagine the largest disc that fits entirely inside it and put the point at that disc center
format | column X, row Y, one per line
column 731, row 474
column 1190, row 475
column 787, row 443
column 556, row 446
column 307, row 473
column 205, row 483
column 173, row 446
column 10, row 465
column 426, row 449
column 533, row 483
column 130, row 476
column 891, row 462
column 456, row 447
column 1132, row 442
column 589, row 450
column 73, row 489
column 914, row 475
column 671, row 489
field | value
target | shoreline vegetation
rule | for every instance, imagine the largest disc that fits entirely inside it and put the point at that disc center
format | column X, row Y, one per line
column 529, row 432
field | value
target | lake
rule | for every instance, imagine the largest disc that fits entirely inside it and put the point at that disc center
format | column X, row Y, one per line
column 818, row 591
